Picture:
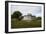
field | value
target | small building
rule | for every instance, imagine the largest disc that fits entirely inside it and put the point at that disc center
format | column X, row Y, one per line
column 28, row 17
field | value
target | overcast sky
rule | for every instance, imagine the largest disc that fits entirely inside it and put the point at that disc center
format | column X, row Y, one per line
column 34, row 10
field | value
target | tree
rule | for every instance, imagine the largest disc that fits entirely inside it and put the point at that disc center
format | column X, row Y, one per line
column 16, row 14
column 21, row 17
column 38, row 18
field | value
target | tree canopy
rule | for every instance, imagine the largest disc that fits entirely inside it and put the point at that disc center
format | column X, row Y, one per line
column 16, row 14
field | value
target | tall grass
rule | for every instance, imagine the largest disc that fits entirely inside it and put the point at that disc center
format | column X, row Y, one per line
column 25, row 23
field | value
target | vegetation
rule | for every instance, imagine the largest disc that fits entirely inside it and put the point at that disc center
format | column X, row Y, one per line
column 16, row 15
column 25, row 24
column 17, row 22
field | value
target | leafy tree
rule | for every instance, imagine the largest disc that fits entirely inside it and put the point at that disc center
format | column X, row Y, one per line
column 21, row 17
column 16, row 14
column 38, row 18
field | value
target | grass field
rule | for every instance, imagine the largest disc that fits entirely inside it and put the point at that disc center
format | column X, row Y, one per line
column 25, row 24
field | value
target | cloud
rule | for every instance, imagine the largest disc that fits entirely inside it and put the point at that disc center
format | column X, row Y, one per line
column 35, row 10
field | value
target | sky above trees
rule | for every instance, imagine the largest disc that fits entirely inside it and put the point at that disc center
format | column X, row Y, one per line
column 34, row 10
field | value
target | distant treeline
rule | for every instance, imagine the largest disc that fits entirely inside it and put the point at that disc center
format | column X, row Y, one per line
column 18, row 15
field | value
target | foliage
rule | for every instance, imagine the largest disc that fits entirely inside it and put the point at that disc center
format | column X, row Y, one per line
column 24, row 24
column 16, row 14
column 38, row 18
column 20, row 18
column 16, row 23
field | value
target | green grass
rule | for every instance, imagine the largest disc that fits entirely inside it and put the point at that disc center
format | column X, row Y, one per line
column 25, row 24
